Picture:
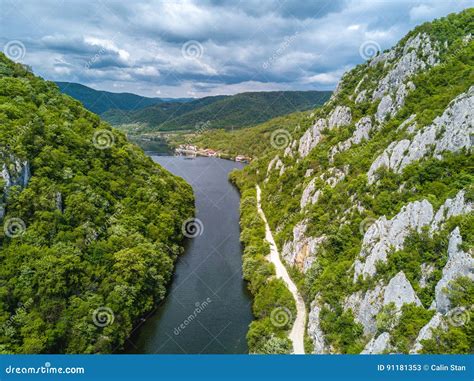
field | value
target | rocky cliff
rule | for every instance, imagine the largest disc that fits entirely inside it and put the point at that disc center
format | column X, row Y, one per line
column 372, row 198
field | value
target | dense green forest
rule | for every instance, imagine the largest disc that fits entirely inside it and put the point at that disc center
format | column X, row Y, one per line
column 99, row 101
column 226, row 112
column 91, row 226
column 348, row 204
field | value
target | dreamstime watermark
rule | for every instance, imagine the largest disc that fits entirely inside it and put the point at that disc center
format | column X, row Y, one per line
column 103, row 139
column 22, row 309
column 369, row 49
column 280, row 138
column 200, row 307
column 192, row 50
column 280, row 316
column 192, row 227
column 14, row 50
column 103, row 316
column 93, row 234
column 14, row 227
column 202, row 127
column 459, row 316
column 46, row 369
column 287, row 41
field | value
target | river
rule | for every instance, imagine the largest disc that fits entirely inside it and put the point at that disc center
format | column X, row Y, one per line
column 208, row 308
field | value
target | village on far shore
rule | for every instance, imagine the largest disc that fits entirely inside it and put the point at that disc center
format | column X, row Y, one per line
column 193, row 151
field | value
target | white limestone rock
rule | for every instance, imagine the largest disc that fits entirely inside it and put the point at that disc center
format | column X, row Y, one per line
column 307, row 195
column 384, row 108
column 16, row 174
column 340, row 116
column 314, row 329
column 408, row 124
column 311, row 137
column 399, row 291
column 366, row 306
column 459, row 264
column 302, row 250
column 361, row 97
column 408, row 63
column 451, row 131
column 451, row 207
column 361, row 133
column 426, row 332
column 384, row 235
column 272, row 163
column 377, row 345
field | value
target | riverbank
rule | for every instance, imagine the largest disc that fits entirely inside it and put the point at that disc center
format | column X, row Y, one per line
column 207, row 308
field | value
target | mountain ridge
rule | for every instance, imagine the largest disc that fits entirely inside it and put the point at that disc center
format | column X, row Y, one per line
column 371, row 200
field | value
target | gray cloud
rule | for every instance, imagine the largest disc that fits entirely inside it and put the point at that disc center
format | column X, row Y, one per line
column 144, row 46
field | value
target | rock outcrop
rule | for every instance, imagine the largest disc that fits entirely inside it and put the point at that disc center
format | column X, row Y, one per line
column 340, row 116
column 377, row 345
column 302, row 250
column 459, row 264
column 361, row 133
column 385, row 235
column 417, row 54
column 451, row 131
column 314, row 329
column 366, row 306
column 427, row 332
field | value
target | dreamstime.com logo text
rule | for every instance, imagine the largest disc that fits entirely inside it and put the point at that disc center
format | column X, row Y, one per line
column 44, row 369
column 200, row 307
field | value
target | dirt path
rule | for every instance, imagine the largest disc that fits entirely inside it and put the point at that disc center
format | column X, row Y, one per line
column 297, row 332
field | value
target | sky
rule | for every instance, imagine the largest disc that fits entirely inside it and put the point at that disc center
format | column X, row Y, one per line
column 191, row 48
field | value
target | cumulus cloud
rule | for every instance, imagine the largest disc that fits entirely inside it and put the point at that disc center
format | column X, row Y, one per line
column 143, row 46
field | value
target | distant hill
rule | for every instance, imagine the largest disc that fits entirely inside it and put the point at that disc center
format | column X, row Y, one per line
column 99, row 101
column 226, row 112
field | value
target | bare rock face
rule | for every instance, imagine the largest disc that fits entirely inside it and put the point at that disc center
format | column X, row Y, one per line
column 311, row 137
column 366, row 306
column 17, row 174
column 385, row 235
column 451, row 131
column 302, row 250
column 451, row 207
column 308, row 194
column 314, row 329
column 340, row 116
column 400, row 292
column 361, row 133
column 407, row 64
column 276, row 164
column 426, row 332
column 377, row 345
column 459, row 264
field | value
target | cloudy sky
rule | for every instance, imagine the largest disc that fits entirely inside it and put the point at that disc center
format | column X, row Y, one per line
column 191, row 48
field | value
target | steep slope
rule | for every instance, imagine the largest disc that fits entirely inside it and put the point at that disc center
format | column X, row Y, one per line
column 371, row 200
column 220, row 112
column 90, row 225
column 99, row 101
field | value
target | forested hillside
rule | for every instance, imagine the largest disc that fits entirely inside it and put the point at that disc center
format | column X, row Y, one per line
column 91, row 227
column 227, row 112
column 370, row 200
column 99, row 101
